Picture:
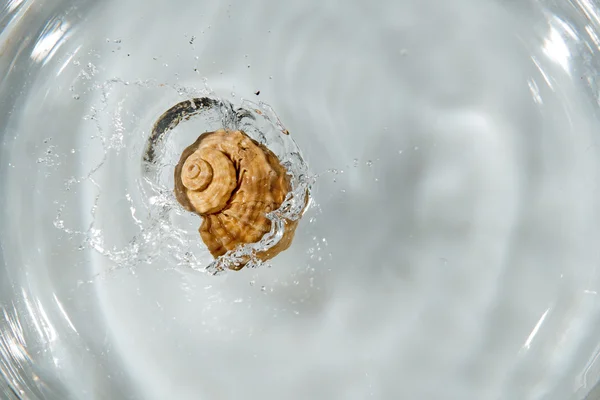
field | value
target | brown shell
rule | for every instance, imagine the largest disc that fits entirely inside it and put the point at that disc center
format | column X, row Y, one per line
column 232, row 182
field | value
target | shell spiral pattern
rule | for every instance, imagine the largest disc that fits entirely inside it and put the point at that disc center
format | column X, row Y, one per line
column 247, row 180
column 232, row 182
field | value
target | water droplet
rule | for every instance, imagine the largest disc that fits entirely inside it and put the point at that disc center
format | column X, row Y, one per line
column 76, row 97
column 400, row 151
column 369, row 163
column 92, row 68
column 355, row 162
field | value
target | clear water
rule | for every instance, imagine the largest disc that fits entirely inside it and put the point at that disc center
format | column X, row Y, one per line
column 450, row 250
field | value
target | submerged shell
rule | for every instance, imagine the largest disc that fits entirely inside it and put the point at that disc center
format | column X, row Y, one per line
column 232, row 182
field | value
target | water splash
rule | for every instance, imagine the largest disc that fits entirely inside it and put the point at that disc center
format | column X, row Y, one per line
column 160, row 227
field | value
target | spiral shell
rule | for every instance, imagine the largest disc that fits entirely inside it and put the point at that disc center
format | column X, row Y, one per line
column 232, row 182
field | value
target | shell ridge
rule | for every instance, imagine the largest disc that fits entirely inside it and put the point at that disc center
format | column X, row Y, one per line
column 248, row 182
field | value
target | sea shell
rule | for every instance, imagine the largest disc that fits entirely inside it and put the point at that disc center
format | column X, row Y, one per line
column 232, row 182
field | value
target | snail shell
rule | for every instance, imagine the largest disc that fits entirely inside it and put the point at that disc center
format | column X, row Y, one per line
column 232, row 182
